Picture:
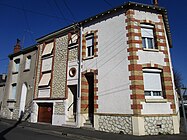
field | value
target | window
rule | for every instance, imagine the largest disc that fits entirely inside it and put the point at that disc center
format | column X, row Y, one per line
column 147, row 36
column 89, row 45
column 48, row 49
column 152, row 83
column 16, row 65
column 45, row 80
column 28, row 63
column 13, row 95
column 47, row 64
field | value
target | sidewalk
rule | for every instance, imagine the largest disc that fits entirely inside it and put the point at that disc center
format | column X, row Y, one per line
column 89, row 134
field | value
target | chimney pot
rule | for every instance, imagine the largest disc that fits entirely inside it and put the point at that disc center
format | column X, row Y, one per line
column 155, row 2
column 17, row 47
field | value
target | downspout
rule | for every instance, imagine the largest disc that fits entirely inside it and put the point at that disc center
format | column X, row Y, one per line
column 78, row 116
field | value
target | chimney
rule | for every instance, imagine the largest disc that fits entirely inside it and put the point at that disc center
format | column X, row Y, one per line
column 17, row 47
column 155, row 2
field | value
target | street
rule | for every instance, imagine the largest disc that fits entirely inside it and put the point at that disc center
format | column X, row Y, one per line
column 12, row 130
column 8, row 132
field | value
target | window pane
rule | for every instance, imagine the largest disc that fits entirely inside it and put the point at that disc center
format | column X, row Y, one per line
column 13, row 96
column 143, row 42
column 147, row 93
column 28, row 63
column 150, row 43
column 157, row 93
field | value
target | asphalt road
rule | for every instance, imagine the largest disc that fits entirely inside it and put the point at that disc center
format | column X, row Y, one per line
column 8, row 132
column 12, row 131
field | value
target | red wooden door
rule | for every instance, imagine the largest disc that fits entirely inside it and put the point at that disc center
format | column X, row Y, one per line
column 45, row 112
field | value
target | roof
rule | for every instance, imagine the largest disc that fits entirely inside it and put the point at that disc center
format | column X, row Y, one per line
column 23, row 51
column 125, row 6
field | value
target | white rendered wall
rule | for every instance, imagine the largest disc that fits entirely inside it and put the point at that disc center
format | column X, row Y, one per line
column 112, row 64
column 153, row 57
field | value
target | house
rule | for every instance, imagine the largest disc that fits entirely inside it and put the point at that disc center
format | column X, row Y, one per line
column 2, row 87
column 111, row 72
column 17, row 100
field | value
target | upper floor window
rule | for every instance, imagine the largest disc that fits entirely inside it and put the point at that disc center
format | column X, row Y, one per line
column 48, row 49
column 152, row 83
column 28, row 62
column 147, row 32
column 90, row 45
column 16, row 65
column 13, row 94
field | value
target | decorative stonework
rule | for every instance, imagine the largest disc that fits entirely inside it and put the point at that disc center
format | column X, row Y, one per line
column 158, row 125
column 59, row 108
column 60, row 67
column 94, row 32
column 15, row 114
column 73, row 54
column 115, row 124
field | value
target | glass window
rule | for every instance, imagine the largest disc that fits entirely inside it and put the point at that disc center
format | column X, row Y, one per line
column 16, row 65
column 28, row 63
column 147, row 36
column 89, row 45
column 152, row 83
column 13, row 95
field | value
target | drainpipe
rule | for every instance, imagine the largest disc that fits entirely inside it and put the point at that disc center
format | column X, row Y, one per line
column 78, row 116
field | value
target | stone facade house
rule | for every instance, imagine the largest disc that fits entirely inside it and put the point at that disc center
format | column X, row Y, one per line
column 17, row 100
column 2, row 87
column 111, row 72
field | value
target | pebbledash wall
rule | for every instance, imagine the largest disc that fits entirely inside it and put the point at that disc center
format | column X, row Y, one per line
column 58, row 79
column 121, row 103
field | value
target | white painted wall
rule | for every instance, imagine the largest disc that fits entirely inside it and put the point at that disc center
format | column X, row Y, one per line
column 153, row 57
column 112, row 64
column 156, row 108
column 150, row 57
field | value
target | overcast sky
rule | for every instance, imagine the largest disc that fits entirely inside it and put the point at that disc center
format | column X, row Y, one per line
column 31, row 19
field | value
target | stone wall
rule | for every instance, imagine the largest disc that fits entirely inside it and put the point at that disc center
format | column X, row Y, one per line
column 39, row 61
column 158, row 125
column 59, row 108
column 73, row 54
column 115, row 124
column 60, row 66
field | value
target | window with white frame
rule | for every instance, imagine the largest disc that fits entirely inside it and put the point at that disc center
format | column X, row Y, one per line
column 16, row 65
column 28, row 62
column 152, row 83
column 13, row 94
column 89, row 45
column 147, row 32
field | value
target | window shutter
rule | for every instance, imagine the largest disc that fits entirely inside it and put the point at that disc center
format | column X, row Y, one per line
column 147, row 32
column 152, row 81
column 48, row 49
column 46, row 64
column 45, row 79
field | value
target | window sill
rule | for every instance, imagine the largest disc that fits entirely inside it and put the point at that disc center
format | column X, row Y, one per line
column 156, row 100
column 153, row 50
column 11, row 100
column 87, row 58
column 26, row 70
column 15, row 72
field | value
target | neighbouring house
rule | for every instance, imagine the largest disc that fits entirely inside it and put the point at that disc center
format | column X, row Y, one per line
column 2, row 87
column 17, row 100
column 111, row 72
